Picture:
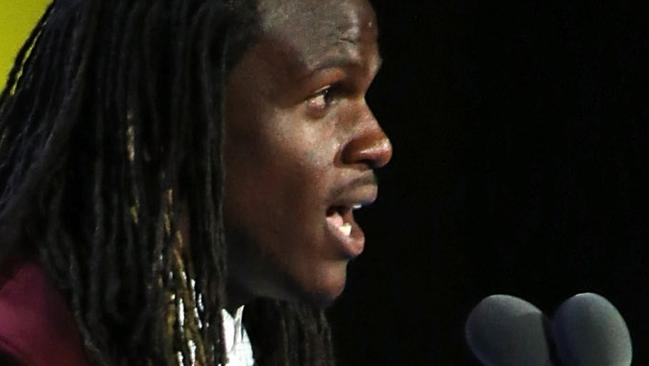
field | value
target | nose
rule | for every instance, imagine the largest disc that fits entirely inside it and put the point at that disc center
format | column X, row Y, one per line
column 369, row 144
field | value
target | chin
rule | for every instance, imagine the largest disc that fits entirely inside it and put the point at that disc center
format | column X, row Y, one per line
column 328, row 289
column 319, row 284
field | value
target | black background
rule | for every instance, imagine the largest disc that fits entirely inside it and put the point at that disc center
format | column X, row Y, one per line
column 520, row 133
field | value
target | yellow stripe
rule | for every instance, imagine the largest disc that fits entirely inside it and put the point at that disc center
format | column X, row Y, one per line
column 17, row 18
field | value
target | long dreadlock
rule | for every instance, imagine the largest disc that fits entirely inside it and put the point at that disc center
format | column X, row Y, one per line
column 110, row 132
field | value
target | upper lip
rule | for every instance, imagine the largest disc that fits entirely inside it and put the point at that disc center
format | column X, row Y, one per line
column 360, row 191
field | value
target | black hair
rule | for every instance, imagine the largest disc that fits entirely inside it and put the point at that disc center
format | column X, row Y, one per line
column 111, row 127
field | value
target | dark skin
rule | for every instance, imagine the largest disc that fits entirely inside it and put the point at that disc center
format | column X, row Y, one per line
column 301, row 148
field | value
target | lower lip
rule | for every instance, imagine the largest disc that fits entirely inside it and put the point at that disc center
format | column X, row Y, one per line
column 352, row 245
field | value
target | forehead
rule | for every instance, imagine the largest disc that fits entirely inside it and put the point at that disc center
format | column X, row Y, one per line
column 317, row 28
column 314, row 13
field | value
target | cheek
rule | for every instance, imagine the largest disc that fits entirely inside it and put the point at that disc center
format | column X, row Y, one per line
column 283, row 153
column 275, row 173
column 279, row 177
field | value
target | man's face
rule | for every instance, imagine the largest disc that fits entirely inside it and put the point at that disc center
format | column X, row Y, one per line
column 300, row 148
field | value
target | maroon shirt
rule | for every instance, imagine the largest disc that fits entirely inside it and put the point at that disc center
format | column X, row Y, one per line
column 36, row 326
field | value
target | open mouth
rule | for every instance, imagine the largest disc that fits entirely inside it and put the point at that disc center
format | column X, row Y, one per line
column 340, row 222
column 341, row 218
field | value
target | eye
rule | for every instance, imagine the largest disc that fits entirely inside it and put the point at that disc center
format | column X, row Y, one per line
column 322, row 99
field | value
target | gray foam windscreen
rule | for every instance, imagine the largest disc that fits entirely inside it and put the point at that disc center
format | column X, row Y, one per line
column 504, row 330
column 589, row 331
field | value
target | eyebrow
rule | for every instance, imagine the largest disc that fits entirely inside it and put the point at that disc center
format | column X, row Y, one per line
column 338, row 61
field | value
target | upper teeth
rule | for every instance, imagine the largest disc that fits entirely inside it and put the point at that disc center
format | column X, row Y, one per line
column 357, row 206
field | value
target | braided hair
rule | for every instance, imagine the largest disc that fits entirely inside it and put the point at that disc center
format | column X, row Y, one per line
column 111, row 127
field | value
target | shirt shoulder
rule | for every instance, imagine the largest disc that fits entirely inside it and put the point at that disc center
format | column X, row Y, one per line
column 36, row 326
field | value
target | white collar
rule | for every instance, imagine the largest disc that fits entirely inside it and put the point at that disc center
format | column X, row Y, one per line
column 237, row 343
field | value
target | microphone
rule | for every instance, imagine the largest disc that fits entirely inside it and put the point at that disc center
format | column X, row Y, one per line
column 589, row 331
column 504, row 330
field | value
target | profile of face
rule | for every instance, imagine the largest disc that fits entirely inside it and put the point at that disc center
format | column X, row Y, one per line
column 301, row 148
